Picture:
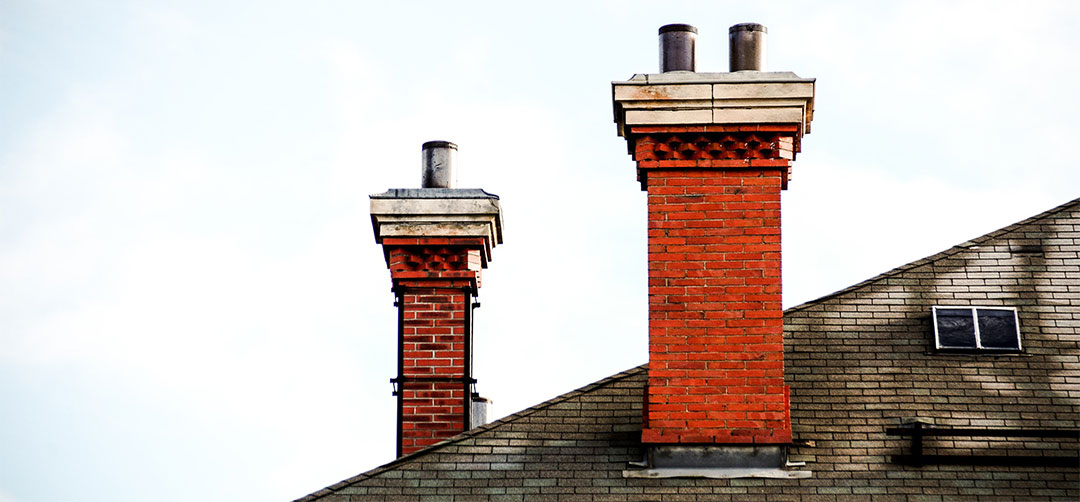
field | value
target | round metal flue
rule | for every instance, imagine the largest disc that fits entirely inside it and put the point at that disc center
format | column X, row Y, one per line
column 438, row 163
column 677, row 48
column 747, row 47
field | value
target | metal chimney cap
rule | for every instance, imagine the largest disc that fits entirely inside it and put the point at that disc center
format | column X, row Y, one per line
column 748, row 27
column 438, row 144
column 677, row 27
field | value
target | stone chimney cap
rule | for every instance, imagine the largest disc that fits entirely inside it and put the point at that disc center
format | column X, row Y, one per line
column 685, row 98
column 438, row 213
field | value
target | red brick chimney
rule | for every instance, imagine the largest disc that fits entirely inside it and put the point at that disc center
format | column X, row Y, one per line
column 713, row 151
column 436, row 239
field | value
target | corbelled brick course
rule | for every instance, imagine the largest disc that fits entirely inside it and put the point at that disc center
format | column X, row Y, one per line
column 435, row 279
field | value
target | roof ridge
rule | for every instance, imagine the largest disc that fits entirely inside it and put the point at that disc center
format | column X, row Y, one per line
column 963, row 246
column 476, row 431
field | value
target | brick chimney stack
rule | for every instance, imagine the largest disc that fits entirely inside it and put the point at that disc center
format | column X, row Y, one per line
column 436, row 240
column 713, row 151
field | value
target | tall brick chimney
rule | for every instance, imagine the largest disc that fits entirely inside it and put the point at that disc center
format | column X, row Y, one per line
column 436, row 239
column 713, row 151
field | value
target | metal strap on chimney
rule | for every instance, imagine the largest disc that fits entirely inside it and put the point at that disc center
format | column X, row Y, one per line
column 429, row 379
column 466, row 379
column 399, row 302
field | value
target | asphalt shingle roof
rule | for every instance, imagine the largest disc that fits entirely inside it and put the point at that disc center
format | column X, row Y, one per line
column 857, row 361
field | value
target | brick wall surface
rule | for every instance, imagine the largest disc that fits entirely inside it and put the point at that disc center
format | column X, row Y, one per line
column 435, row 279
column 716, row 361
column 857, row 362
column 434, row 337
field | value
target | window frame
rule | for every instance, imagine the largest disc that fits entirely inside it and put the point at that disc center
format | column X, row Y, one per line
column 975, row 322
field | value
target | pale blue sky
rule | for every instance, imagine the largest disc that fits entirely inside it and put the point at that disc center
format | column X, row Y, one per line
column 192, row 305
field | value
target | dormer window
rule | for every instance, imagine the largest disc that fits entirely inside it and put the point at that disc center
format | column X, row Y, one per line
column 990, row 329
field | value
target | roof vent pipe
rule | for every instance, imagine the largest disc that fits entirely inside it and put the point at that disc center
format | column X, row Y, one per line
column 747, row 47
column 438, row 164
column 677, row 49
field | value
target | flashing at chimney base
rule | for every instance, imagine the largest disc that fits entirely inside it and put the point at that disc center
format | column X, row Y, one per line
column 715, row 461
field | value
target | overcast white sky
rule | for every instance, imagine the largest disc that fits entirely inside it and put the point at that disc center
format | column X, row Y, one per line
column 192, row 305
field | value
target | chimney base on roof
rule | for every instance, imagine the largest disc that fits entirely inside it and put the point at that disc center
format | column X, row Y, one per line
column 715, row 461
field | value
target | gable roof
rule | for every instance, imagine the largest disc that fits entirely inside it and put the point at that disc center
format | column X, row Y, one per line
column 576, row 445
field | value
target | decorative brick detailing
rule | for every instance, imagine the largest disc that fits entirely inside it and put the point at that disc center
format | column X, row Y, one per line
column 458, row 260
column 434, row 262
column 435, row 279
column 434, row 259
column 714, row 147
column 716, row 365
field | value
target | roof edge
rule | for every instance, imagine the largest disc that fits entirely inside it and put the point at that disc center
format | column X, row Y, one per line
column 937, row 256
column 475, row 431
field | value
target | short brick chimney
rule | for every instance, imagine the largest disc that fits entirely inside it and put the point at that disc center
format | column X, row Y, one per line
column 713, row 151
column 436, row 239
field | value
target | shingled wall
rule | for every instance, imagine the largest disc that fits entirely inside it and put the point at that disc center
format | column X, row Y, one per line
column 857, row 362
column 862, row 359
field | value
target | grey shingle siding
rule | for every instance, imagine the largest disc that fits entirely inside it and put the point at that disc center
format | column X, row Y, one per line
column 858, row 361
column 861, row 360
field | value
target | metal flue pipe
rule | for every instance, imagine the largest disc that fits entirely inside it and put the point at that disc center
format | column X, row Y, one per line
column 437, row 160
column 746, row 47
column 677, row 48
